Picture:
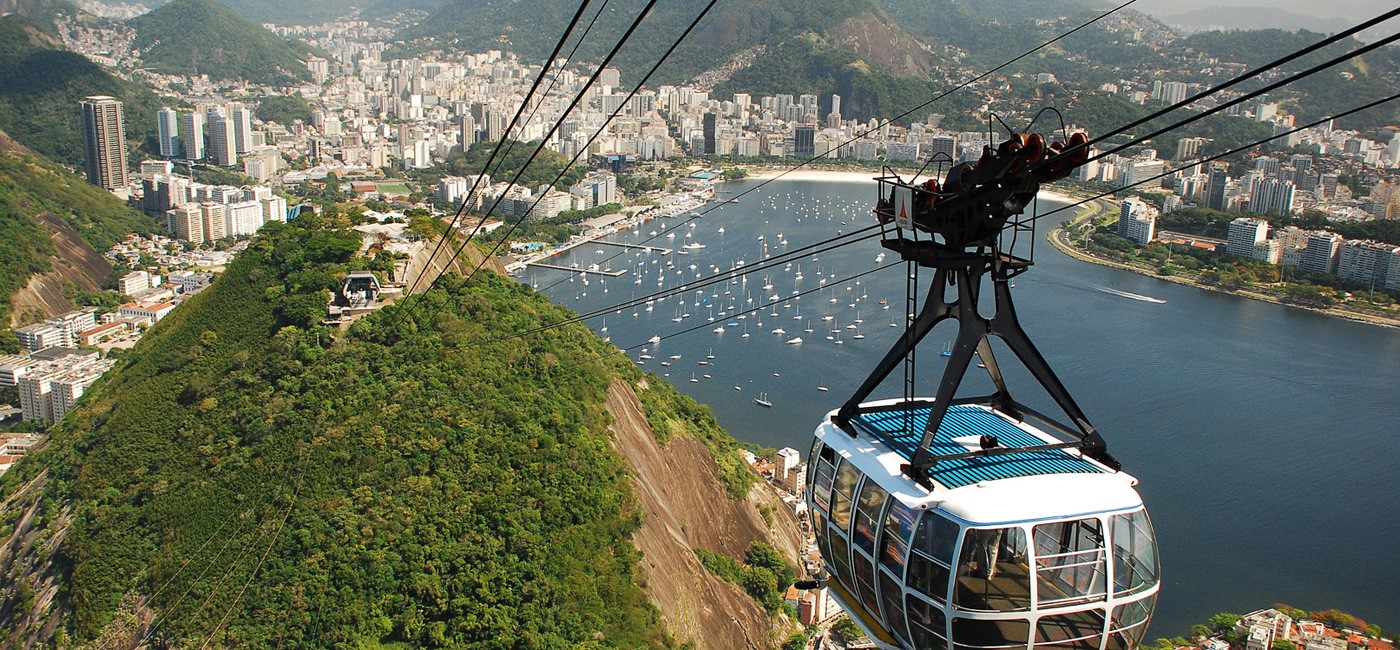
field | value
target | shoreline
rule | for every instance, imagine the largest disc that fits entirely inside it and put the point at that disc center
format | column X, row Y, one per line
column 1057, row 239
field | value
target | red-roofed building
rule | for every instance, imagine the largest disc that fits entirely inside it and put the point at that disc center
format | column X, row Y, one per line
column 101, row 333
column 149, row 313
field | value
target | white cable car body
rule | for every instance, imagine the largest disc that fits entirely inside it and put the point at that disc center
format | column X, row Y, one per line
column 1046, row 549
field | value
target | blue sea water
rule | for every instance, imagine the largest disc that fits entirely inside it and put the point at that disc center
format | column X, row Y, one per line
column 1264, row 437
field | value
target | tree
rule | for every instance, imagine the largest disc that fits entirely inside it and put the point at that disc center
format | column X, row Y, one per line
column 1283, row 644
column 845, row 628
column 1223, row 621
column 1198, row 631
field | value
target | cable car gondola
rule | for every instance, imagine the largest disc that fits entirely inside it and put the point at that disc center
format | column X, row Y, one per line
column 977, row 523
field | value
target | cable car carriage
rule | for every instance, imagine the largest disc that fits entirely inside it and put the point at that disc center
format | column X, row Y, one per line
column 977, row 523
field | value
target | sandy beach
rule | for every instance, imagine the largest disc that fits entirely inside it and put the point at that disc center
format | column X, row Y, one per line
column 858, row 177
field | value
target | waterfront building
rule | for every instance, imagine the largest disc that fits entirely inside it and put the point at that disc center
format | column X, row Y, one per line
column 1137, row 220
column 1244, row 234
column 1320, row 255
column 1369, row 261
column 104, row 140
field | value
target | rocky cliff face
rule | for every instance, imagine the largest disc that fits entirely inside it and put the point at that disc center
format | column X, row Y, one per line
column 687, row 508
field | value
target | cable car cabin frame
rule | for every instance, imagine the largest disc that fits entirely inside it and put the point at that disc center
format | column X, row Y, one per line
column 992, row 559
column 977, row 523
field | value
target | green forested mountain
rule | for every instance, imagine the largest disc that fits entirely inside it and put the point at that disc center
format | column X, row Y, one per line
column 250, row 478
column 1363, row 78
column 40, row 87
column 33, row 188
column 530, row 29
column 289, row 13
column 205, row 37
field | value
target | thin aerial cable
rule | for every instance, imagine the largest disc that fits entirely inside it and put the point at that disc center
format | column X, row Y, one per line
column 485, row 169
column 543, row 141
column 751, row 310
column 691, row 286
column 1247, row 96
column 1245, row 76
column 698, row 284
column 599, row 131
column 1231, row 152
column 273, row 542
column 965, row 83
column 563, row 38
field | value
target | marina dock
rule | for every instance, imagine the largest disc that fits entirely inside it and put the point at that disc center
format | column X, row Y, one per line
column 559, row 267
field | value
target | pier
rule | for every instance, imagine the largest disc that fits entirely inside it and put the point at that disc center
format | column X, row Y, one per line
column 559, row 267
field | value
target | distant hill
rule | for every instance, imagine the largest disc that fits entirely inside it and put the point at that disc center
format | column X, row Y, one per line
column 206, row 37
column 529, row 29
column 248, row 478
column 40, row 87
column 53, row 228
column 289, row 13
column 1218, row 18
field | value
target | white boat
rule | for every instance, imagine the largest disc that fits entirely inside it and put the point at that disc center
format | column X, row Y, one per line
column 762, row 400
column 655, row 338
column 794, row 340
column 823, row 388
column 779, row 330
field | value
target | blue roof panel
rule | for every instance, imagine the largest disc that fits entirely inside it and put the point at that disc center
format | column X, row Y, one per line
column 901, row 429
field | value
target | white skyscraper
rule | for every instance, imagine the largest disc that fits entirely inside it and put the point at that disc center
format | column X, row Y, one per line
column 192, row 144
column 1244, row 235
column 223, row 151
column 241, row 120
column 168, row 132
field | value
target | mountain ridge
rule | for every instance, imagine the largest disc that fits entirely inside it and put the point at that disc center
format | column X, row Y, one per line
column 207, row 37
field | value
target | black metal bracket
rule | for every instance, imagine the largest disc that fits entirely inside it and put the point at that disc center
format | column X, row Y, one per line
column 961, row 262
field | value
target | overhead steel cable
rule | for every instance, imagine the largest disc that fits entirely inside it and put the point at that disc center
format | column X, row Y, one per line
column 485, row 168
column 724, row 276
column 1301, row 52
column 1231, row 152
column 543, row 141
column 965, row 83
column 1250, row 95
column 563, row 38
column 598, row 132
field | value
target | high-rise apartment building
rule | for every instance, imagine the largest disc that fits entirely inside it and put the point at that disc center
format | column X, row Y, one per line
column 241, row 119
column 1219, row 180
column 223, row 150
column 104, row 139
column 192, row 142
column 1244, row 235
column 168, row 132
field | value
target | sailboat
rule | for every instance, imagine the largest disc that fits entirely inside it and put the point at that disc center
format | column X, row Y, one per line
column 762, row 400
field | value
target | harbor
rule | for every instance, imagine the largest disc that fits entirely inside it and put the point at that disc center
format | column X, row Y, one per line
column 1180, row 398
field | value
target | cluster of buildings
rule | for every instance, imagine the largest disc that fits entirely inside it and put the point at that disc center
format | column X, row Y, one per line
column 1261, row 629
column 199, row 213
column 1317, row 251
column 543, row 202
column 51, row 380
column 219, row 134
column 53, row 372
